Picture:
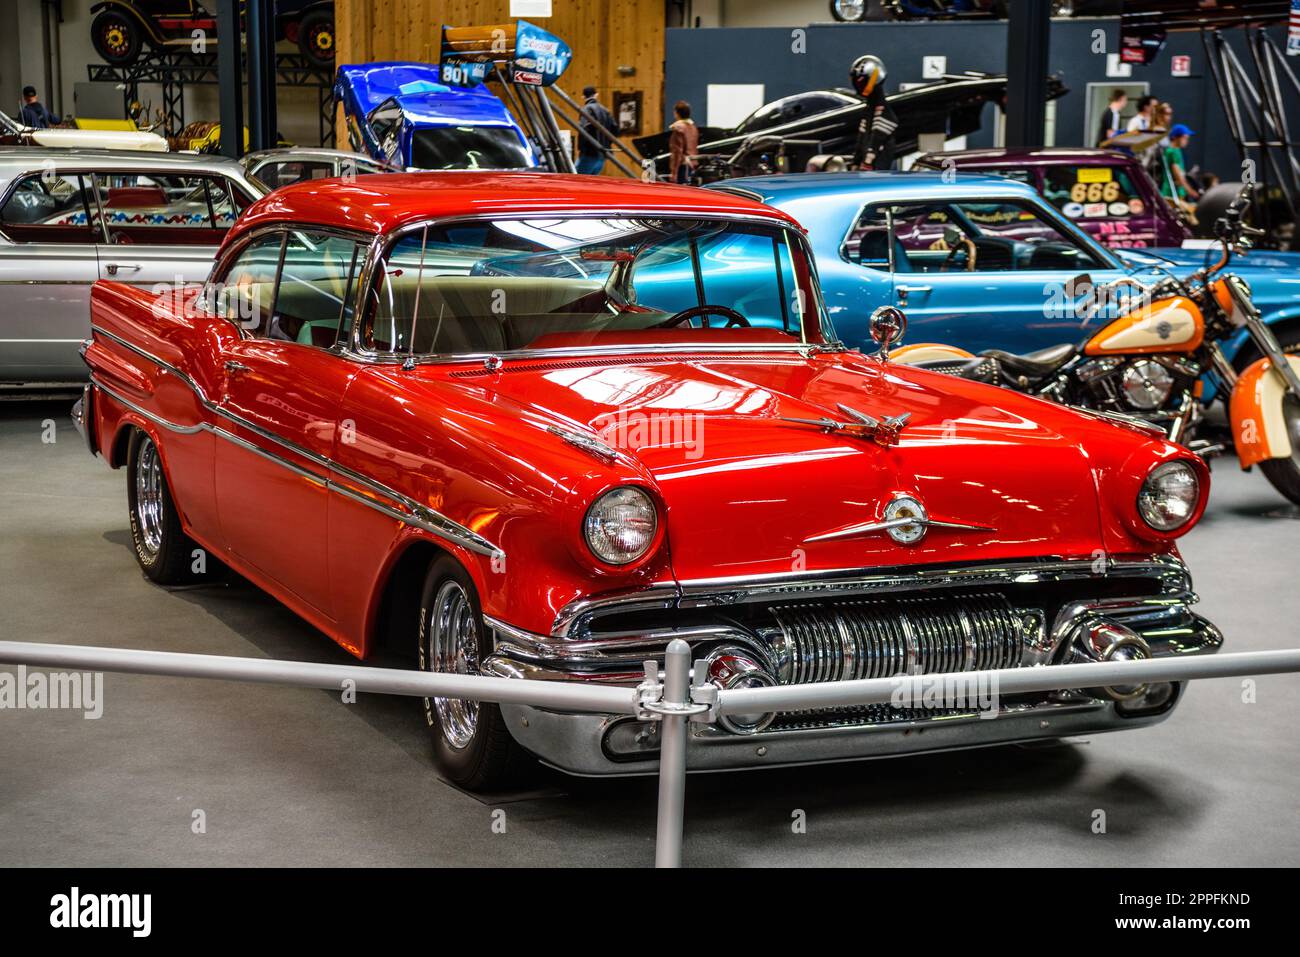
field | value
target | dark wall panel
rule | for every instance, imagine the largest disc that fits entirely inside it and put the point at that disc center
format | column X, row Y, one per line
column 769, row 55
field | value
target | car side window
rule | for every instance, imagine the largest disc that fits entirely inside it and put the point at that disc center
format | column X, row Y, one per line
column 286, row 172
column 49, row 208
column 164, row 208
column 246, row 294
column 384, row 121
column 968, row 236
column 316, row 291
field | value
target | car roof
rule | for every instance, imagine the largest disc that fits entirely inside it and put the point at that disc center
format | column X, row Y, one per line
column 926, row 183
column 18, row 158
column 380, row 203
column 292, row 153
column 1034, row 156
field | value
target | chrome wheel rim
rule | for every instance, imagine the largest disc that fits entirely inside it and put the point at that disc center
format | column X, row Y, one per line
column 453, row 649
column 149, row 497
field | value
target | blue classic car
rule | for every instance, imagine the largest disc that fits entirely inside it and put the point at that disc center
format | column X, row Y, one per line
column 976, row 260
column 401, row 114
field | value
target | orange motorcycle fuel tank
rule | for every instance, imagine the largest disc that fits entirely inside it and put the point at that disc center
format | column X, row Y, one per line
column 1174, row 324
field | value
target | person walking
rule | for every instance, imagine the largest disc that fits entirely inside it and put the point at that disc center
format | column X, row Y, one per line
column 1141, row 121
column 35, row 114
column 1112, row 121
column 683, row 144
column 598, row 123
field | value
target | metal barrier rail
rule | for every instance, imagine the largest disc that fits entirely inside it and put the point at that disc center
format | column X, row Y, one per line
column 668, row 695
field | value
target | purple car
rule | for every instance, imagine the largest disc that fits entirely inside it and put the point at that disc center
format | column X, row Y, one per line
column 1107, row 194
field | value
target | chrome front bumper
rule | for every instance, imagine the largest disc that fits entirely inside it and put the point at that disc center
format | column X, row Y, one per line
column 577, row 744
column 621, row 745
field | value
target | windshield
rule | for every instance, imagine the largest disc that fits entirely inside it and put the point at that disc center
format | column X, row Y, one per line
column 468, row 147
column 508, row 285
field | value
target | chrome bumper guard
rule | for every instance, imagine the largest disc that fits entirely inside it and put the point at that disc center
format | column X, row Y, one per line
column 1090, row 630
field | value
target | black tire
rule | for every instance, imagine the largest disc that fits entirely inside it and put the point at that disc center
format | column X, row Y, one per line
column 116, row 37
column 316, row 37
column 1284, row 474
column 162, row 548
column 1288, row 337
column 472, row 746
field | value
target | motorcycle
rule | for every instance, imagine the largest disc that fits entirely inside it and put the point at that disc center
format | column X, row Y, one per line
column 1158, row 360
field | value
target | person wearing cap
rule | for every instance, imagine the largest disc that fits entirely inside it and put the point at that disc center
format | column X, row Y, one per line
column 1174, row 184
column 599, row 124
column 35, row 114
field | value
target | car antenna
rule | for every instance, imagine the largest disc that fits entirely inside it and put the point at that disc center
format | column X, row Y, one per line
column 409, row 363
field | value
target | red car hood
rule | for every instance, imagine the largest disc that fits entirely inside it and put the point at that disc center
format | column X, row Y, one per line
column 748, row 493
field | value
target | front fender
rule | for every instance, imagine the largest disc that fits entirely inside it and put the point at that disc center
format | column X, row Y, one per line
column 1255, row 408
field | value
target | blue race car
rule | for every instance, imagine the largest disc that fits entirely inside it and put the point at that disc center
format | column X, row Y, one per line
column 400, row 113
column 973, row 259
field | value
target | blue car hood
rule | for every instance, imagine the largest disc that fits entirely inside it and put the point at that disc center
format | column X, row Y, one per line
column 461, row 107
column 425, row 100
column 1195, row 258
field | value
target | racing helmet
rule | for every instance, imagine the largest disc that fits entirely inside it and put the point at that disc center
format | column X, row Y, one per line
column 867, row 73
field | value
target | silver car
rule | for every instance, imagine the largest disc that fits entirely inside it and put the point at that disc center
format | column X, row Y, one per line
column 69, row 217
column 280, row 167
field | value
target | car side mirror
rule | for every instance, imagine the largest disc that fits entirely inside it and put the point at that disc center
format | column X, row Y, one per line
column 888, row 325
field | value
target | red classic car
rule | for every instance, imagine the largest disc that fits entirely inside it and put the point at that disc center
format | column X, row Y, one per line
column 537, row 426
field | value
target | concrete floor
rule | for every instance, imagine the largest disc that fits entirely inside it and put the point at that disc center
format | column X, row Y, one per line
column 295, row 777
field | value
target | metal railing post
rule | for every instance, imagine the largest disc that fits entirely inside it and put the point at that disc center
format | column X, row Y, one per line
column 672, row 755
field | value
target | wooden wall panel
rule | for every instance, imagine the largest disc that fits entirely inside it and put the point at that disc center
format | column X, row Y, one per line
column 603, row 34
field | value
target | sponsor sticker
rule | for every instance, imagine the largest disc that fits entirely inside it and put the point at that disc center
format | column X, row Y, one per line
column 1118, row 209
column 1095, row 174
column 1072, row 210
column 1091, row 210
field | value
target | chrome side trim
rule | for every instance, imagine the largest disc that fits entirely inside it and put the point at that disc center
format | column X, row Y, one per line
column 155, row 419
column 409, row 511
column 587, row 443
column 868, row 528
column 574, row 620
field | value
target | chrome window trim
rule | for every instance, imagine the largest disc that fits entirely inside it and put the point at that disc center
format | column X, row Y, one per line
column 574, row 619
column 408, row 510
column 385, row 242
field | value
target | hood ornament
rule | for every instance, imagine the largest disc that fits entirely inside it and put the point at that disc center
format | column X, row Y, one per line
column 905, row 520
column 860, row 425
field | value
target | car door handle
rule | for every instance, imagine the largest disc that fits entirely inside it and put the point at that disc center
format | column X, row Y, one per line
column 114, row 268
column 911, row 289
column 235, row 368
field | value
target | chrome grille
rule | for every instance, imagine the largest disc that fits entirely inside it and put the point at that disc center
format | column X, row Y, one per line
column 876, row 639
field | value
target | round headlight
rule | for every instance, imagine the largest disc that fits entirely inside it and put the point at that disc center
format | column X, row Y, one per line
column 1169, row 496
column 620, row 525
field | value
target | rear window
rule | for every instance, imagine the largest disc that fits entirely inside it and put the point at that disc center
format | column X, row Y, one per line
column 1092, row 192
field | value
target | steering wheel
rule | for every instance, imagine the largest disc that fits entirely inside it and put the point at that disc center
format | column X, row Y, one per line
column 734, row 319
column 971, row 252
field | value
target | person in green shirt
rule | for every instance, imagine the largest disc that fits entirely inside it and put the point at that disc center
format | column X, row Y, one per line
column 1174, row 183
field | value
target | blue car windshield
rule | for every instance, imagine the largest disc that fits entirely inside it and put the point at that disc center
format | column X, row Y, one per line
column 468, row 147
column 510, row 285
